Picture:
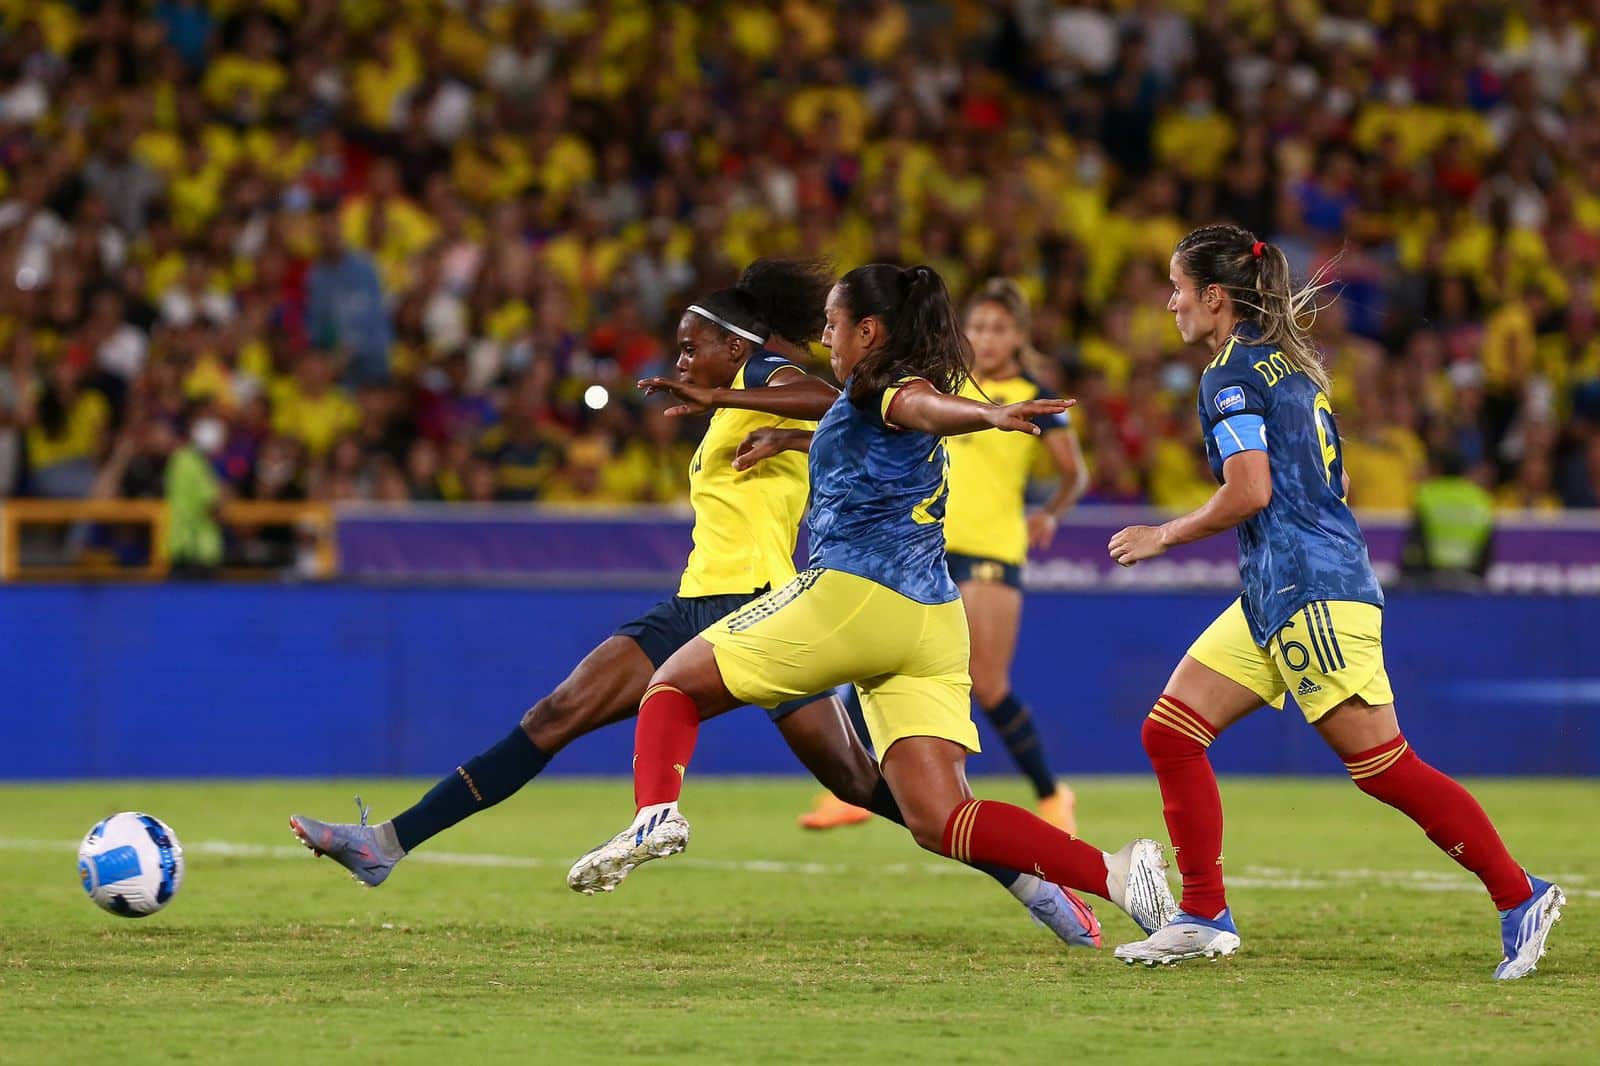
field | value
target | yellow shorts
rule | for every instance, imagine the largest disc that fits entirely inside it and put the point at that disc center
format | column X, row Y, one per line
column 826, row 627
column 1330, row 651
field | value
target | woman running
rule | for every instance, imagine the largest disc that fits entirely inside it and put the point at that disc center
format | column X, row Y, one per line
column 1310, row 619
column 877, row 608
column 734, row 345
column 988, row 531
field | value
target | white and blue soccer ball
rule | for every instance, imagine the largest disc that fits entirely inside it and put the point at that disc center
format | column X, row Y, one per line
column 131, row 864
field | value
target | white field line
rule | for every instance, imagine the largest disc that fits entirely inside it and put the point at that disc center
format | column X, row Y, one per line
column 1268, row 877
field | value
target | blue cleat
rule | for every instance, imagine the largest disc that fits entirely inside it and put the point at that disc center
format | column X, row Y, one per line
column 1524, row 929
column 1065, row 915
column 1186, row 936
column 355, row 846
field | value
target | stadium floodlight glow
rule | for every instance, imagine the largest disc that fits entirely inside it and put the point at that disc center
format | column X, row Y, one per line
column 596, row 397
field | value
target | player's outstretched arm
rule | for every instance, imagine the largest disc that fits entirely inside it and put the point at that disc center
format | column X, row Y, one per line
column 800, row 396
column 767, row 442
column 1246, row 488
column 921, row 407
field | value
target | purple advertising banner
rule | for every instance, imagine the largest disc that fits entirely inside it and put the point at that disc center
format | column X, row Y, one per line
column 647, row 548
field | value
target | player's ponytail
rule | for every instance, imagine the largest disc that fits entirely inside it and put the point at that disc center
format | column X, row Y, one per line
column 1256, row 277
column 924, row 337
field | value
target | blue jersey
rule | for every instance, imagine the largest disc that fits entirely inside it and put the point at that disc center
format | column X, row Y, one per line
column 1305, row 544
column 877, row 500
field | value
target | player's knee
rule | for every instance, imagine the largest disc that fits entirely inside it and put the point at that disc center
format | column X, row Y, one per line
column 855, row 784
column 1153, row 737
column 990, row 689
column 926, row 824
column 558, row 719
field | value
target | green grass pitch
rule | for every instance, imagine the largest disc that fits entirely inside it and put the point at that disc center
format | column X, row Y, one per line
column 764, row 943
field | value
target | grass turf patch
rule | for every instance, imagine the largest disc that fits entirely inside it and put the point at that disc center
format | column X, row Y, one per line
column 767, row 943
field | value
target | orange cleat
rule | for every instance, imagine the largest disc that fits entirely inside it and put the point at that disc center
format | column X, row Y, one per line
column 830, row 812
column 1061, row 809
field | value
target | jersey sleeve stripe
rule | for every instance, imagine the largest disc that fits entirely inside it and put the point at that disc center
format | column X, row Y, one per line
column 889, row 396
column 1240, row 433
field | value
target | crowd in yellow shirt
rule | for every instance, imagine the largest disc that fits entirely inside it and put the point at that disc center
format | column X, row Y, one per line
column 533, row 190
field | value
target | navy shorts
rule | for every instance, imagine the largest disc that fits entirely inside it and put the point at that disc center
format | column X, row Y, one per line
column 977, row 568
column 672, row 623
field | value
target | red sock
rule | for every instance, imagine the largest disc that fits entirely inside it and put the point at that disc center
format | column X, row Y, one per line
column 1176, row 740
column 1453, row 820
column 998, row 834
column 663, row 741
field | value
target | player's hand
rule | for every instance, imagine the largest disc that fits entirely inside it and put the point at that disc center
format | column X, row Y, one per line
column 1135, row 544
column 1018, row 417
column 761, row 444
column 698, row 399
column 1042, row 529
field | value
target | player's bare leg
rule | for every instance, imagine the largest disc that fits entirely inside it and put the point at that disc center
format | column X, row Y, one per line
column 928, row 778
column 824, row 739
column 1197, row 704
column 604, row 688
column 1384, row 765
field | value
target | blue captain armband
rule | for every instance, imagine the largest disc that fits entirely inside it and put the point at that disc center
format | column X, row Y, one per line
column 1241, row 433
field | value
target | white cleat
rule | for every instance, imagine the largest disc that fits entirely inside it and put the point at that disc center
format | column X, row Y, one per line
column 1136, row 878
column 661, row 834
column 1185, row 937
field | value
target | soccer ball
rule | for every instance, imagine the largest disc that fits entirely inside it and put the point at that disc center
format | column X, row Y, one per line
column 131, row 864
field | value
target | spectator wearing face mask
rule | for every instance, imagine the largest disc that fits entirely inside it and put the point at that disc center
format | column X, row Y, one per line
column 194, row 493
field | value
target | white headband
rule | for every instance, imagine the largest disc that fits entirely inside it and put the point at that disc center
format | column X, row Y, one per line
column 725, row 324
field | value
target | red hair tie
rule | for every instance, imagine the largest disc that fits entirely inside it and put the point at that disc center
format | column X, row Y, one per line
column 1255, row 249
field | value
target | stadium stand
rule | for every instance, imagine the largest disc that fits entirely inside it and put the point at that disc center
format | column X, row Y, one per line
column 392, row 248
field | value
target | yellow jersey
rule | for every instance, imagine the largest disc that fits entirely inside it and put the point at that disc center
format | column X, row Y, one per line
column 985, row 514
column 745, row 522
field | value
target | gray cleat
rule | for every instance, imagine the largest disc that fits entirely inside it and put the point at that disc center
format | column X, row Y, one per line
column 355, row 846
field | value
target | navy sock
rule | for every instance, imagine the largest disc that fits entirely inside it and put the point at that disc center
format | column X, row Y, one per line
column 884, row 806
column 482, row 782
column 858, row 717
column 1014, row 722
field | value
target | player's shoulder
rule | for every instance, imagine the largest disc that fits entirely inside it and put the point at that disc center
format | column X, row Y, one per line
column 763, row 366
column 1229, row 385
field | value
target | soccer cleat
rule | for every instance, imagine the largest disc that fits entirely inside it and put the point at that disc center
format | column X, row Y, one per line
column 1060, row 809
column 1185, row 937
column 664, row 833
column 831, row 812
column 1136, row 881
column 1064, row 914
column 355, row 846
column 1524, row 929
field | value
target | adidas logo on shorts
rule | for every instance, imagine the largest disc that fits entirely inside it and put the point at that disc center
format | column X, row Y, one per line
column 1307, row 687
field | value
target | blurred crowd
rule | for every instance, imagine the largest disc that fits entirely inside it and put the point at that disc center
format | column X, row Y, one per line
column 420, row 249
